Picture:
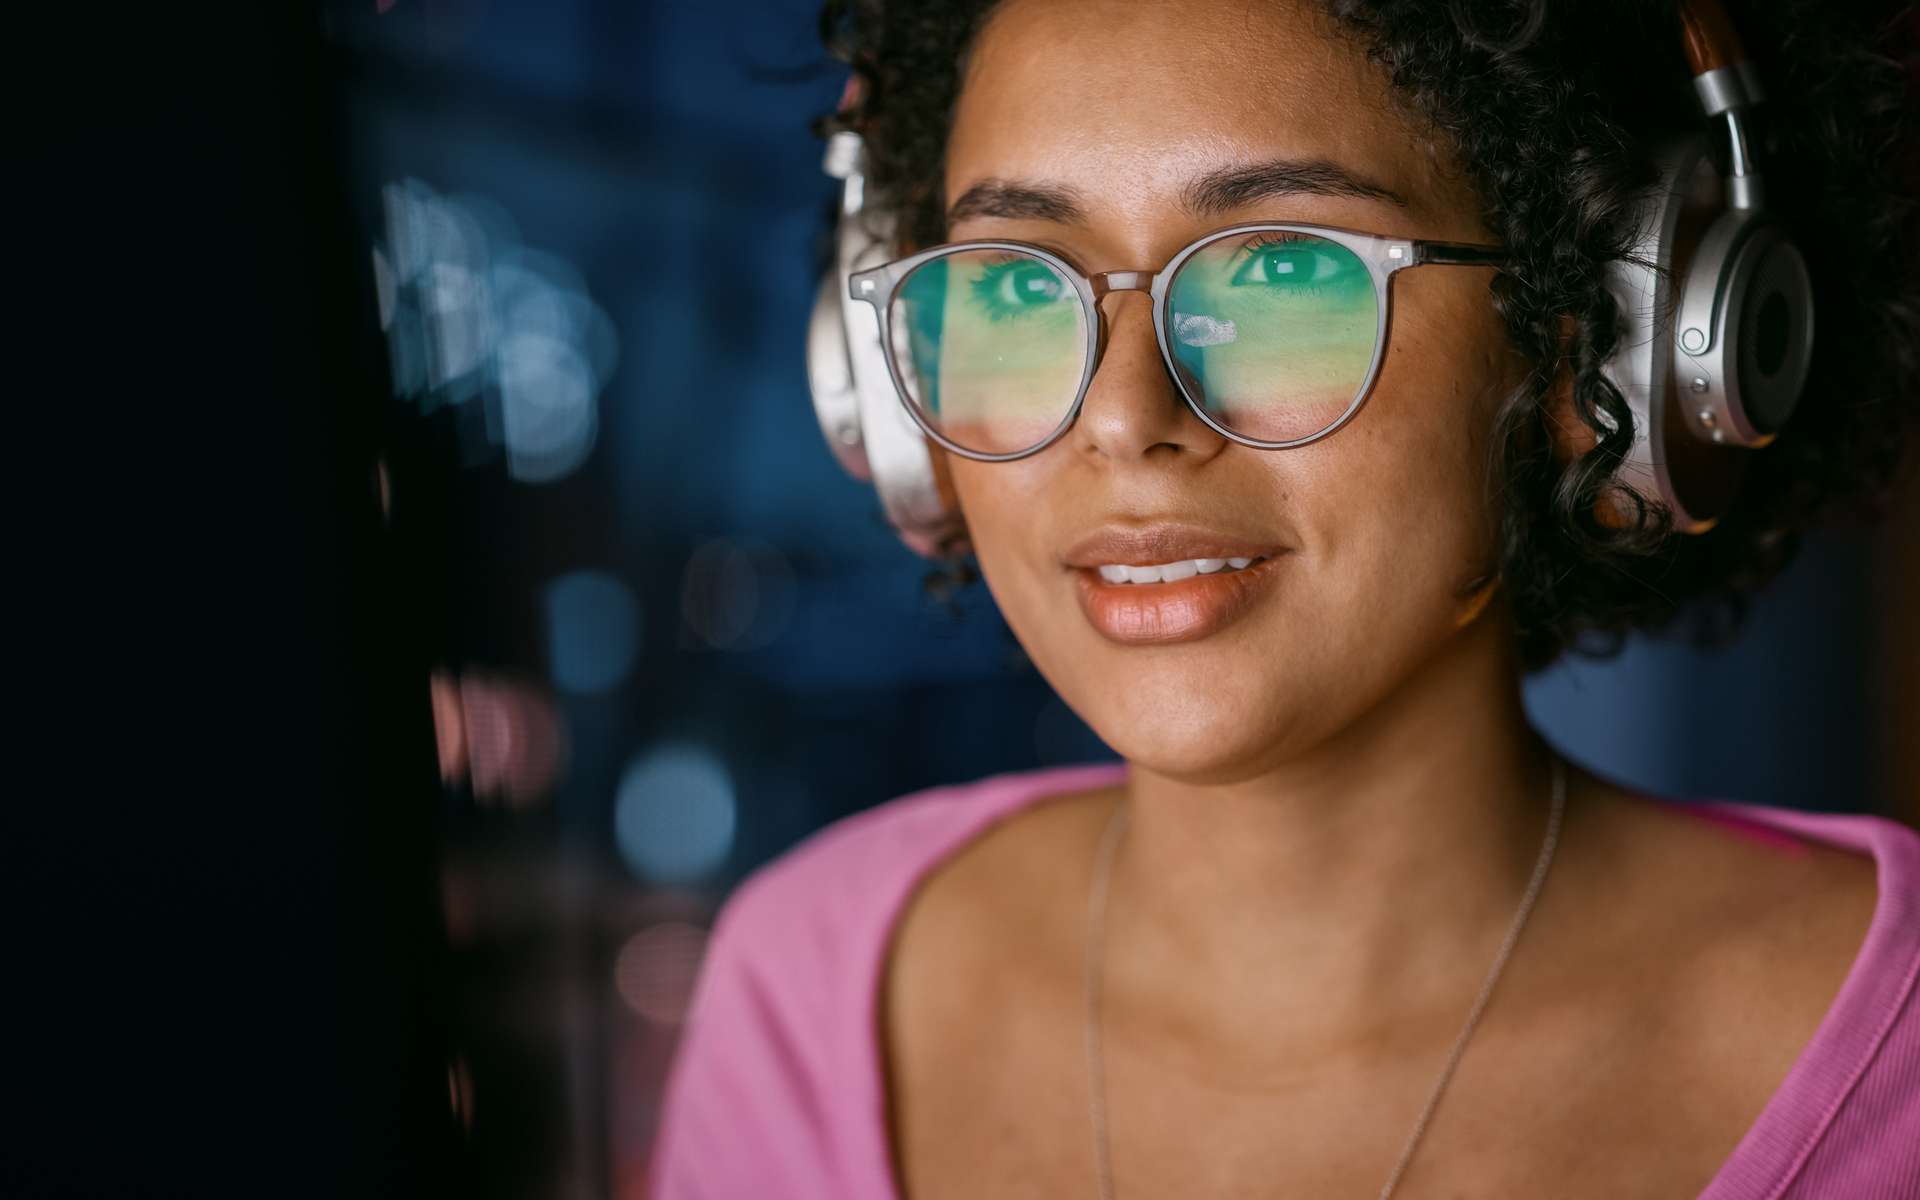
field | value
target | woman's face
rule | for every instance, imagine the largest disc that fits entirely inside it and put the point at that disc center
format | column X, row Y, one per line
column 1372, row 534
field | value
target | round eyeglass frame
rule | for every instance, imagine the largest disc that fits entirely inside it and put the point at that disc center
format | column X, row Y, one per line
column 1383, row 256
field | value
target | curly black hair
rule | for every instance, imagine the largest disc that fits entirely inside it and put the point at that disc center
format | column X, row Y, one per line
column 1554, row 112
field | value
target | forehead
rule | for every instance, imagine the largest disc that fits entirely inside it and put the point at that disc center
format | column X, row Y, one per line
column 1124, row 102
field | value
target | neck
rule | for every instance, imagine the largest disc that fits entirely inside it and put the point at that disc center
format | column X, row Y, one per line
column 1375, row 870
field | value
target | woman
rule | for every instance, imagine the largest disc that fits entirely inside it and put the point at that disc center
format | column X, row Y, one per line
column 1279, row 950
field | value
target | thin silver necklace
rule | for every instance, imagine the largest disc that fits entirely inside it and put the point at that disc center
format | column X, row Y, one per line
column 1096, row 937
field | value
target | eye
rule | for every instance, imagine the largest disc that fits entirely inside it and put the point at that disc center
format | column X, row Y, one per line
column 1286, row 261
column 1017, row 285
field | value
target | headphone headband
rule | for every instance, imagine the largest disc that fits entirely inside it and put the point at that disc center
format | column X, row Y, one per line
column 1711, row 42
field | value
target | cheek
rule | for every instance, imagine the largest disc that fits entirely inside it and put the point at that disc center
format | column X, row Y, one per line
column 1000, row 502
column 1448, row 371
column 1014, row 517
column 1400, row 500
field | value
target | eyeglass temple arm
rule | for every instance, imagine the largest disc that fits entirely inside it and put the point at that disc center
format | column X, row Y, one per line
column 1459, row 254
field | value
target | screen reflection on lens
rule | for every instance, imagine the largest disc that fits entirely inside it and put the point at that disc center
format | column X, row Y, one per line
column 1274, row 331
column 995, row 347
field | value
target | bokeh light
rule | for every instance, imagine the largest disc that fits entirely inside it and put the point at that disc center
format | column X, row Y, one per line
column 656, row 970
column 675, row 814
column 500, row 735
column 547, row 413
column 469, row 312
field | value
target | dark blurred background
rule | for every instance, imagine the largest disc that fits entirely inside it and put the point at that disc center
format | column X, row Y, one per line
column 464, row 398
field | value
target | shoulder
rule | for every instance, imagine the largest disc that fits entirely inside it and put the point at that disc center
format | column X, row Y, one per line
column 793, row 931
column 774, row 1072
column 851, row 875
column 807, row 929
column 1783, row 949
column 1740, row 978
column 1836, row 937
column 801, row 941
column 1762, row 869
column 1775, row 903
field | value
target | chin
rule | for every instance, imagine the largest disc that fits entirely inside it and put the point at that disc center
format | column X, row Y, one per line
column 1188, row 717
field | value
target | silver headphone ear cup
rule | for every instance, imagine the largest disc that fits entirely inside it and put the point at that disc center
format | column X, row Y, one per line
column 836, row 402
column 1664, row 466
column 1769, row 320
column 1744, row 332
column 898, row 458
column 859, row 412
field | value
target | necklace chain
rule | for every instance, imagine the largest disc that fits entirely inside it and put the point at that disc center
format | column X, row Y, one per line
column 1096, row 938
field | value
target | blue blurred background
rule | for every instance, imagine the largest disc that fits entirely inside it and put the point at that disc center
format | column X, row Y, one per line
column 669, row 637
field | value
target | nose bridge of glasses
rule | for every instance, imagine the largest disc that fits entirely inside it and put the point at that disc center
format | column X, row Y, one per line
column 1120, row 281
column 1105, row 283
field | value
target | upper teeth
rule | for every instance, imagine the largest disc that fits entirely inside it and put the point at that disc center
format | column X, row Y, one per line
column 1186, row 568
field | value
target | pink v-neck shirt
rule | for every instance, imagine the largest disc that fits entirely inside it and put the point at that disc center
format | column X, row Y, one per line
column 777, row 1091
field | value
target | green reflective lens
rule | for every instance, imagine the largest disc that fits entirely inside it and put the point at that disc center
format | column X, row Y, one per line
column 1273, row 334
column 1273, row 331
column 991, row 346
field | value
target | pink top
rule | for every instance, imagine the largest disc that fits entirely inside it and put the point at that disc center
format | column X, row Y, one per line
column 777, row 1087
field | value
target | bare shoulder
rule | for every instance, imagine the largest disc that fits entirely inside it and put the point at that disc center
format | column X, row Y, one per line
column 973, row 1000
column 994, row 898
column 1742, row 932
column 1750, row 887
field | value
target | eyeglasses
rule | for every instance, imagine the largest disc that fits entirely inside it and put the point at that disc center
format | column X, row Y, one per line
column 1274, row 333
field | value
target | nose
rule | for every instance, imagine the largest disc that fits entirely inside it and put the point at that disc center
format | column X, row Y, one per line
column 1133, row 409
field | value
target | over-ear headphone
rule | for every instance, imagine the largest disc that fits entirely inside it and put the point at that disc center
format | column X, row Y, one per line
column 861, row 415
column 1716, row 306
column 1716, row 323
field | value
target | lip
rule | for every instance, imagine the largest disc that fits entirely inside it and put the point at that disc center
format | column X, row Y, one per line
column 1162, row 542
column 1146, row 614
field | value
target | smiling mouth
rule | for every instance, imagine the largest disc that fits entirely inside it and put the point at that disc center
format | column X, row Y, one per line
column 1174, row 572
column 1173, row 602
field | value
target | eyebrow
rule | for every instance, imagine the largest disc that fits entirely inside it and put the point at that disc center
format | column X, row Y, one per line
column 1204, row 197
